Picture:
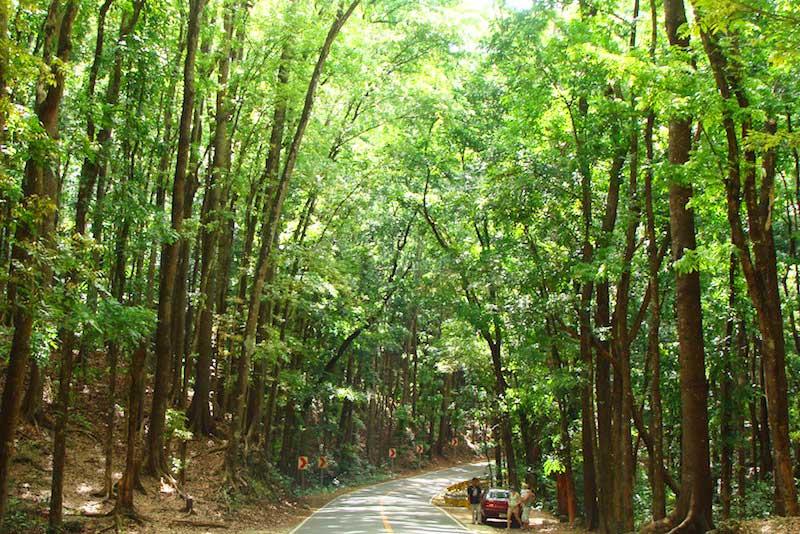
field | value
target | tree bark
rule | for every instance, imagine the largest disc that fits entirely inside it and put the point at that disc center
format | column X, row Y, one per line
column 693, row 509
column 533, row 452
column 200, row 420
column 621, row 343
column 727, row 432
column 65, row 370
column 607, row 480
column 32, row 402
column 761, row 275
column 156, row 463
column 181, row 337
column 742, row 467
column 659, row 506
column 588, row 430
column 124, row 504
column 39, row 184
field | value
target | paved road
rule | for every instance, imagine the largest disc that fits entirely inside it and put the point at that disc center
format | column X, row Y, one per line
column 400, row 507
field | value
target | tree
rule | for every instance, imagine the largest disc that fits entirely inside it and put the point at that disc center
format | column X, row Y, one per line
column 39, row 190
column 273, row 211
column 693, row 511
column 430, row 224
column 169, row 254
column 761, row 275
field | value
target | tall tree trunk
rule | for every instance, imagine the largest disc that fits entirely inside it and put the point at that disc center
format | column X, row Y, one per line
column 588, row 430
column 727, row 431
column 89, row 169
column 68, row 338
column 127, row 484
column 765, row 464
column 761, row 275
column 498, row 450
column 255, row 395
column 742, row 467
column 39, row 184
column 32, row 402
column 659, row 507
column 621, row 342
column 607, row 483
column 659, row 498
column 118, row 276
column 529, row 432
column 693, row 509
column 755, row 426
column 504, row 417
column 163, row 163
column 199, row 413
column 156, row 463
column 221, row 358
column 566, row 479
column 181, row 320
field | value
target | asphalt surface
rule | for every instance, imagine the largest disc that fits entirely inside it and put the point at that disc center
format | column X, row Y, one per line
column 399, row 506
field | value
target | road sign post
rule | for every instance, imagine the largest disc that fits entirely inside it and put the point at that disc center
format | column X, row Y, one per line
column 302, row 465
column 420, row 450
column 322, row 464
column 392, row 455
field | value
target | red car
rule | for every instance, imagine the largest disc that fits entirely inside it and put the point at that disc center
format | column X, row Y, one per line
column 494, row 506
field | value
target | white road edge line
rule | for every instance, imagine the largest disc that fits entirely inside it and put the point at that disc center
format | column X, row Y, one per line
column 451, row 516
column 295, row 529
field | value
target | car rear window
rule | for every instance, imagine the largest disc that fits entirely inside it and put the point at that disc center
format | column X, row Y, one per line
column 497, row 494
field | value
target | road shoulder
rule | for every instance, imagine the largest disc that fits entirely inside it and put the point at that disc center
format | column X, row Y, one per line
column 541, row 522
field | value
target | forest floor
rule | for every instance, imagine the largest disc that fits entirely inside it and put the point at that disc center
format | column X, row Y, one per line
column 161, row 506
column 215, row 510
column 31, row 474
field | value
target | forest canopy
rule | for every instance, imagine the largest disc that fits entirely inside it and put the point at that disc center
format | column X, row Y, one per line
column 563, row 233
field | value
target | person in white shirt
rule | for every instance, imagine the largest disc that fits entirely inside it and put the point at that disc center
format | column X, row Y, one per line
column 527, row 504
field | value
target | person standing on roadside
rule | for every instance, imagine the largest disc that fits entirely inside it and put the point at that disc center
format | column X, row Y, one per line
column 514, row 508
column 474, row 493
column 526, row 498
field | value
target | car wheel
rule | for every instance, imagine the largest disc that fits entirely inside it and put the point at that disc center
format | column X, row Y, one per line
column 483, row 519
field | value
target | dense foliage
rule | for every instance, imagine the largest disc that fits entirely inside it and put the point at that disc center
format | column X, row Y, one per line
column 564, row 232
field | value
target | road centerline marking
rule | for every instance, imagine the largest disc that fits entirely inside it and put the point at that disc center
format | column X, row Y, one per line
column 384, row 518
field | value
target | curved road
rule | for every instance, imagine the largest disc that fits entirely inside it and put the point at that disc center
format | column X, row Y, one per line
column 398, row 506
